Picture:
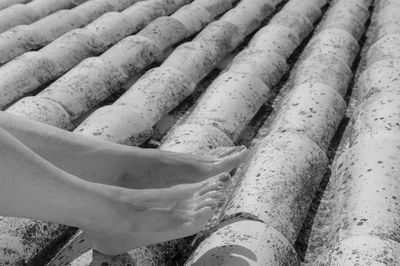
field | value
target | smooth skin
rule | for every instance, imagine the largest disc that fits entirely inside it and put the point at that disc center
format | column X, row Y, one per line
column 54, row 175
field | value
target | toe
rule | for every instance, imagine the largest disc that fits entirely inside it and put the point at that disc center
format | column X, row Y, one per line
column 215, row 194
column 199, row 220
column 214, row 183
column 203, row 214
column 232, row 161
column 222, row 151
column 211, row 187
column 224, row 177
column 208, row 202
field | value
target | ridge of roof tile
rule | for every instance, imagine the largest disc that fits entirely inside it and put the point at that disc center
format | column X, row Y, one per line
column 7, row 3
column 24, row 38
column 55, row 59
column 19, row 14
column 162, row 88
column 109, row 70
column 365, row 217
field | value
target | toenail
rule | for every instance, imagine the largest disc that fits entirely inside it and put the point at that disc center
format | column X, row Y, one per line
column 224, row 177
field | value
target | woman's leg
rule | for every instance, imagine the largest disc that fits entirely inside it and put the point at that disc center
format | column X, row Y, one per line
column 32, row 187
column 113, row 164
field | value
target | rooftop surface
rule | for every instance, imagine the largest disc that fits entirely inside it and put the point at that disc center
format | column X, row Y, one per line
column 310, row 86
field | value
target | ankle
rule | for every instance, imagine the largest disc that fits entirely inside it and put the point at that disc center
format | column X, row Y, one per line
column 100, row 208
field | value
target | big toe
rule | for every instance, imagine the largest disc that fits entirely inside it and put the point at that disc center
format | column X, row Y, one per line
column 221, row 152
column 203, row 215
column 233, row 160
column 198, row 220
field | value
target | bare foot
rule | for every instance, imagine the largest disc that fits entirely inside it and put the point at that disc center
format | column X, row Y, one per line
column 165, row 169
column 142, row 217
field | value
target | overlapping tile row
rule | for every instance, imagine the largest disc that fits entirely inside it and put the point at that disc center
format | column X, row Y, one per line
column 20, row 14
column 287, row 164
column 96, row 78
column 32, row 70
column 7, row 3
column 131, row 118
column 236, row 95
column 24, row 38
column 299, row 135
column 365, row 221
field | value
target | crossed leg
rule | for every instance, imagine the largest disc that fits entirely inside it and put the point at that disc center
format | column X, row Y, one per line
column 34, row 188
column 54, row 175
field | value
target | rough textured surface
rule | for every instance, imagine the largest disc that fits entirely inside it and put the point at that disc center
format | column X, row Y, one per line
column 230, row 102
column 367, row 189
column 362, row 250
column 379, row 77
column 276, row 38
column 27, row 13
column 386, row 47
column 315, row 111
column 22, row 239
column 180, row 139
column 266, row 65
column 377, row 115
column 6, row 3
column 334, row 41
column 324, row 68
column 21, row 39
